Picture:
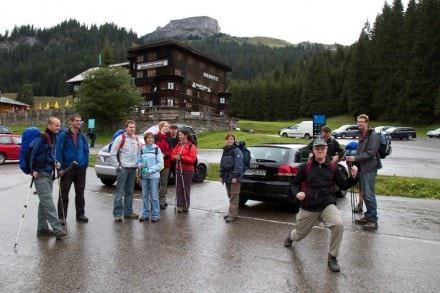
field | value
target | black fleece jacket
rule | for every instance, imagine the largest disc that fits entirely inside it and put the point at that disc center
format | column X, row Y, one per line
column 318, row 184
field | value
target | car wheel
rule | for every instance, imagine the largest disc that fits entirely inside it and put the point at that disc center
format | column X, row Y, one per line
column 409, row 137
column 284, row 134
column 2, row 158
column 430, row 136
column 108, row 182
column 343, row 135
column 307, row 136
column 200, row 173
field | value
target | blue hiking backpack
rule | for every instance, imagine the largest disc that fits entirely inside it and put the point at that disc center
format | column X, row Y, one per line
column 115, row 135
column 27, row 144
column 246, row 154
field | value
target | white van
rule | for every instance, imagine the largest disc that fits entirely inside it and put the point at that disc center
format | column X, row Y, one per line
column 302, row 130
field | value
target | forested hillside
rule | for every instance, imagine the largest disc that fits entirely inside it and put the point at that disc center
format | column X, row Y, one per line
column 391, row 73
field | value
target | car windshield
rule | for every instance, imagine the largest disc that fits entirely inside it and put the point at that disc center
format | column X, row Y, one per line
column 274, row 154
column 391, row 129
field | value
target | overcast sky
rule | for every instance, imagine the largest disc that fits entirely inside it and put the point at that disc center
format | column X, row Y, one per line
column 321, row 21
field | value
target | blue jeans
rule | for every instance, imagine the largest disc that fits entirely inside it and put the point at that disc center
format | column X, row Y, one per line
column 367, row 182
column 126, row 177
column 150, row 192
column 46, row 207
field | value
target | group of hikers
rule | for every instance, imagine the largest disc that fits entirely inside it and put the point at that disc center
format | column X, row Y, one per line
column 172, row 151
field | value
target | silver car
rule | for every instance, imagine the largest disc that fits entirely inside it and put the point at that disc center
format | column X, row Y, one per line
column 434, row 133
column 107, row 173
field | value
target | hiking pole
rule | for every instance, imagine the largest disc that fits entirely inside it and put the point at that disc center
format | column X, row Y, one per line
column 24, row 211
column 60, row 194
column 183, row 183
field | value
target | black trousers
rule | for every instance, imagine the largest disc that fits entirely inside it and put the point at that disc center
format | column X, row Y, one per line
column 77, row 176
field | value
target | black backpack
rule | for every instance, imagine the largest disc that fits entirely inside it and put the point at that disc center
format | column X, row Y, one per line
column 385, row 148
column 246, row 154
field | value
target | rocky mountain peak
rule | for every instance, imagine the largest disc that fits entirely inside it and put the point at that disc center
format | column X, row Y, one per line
column 198, row 26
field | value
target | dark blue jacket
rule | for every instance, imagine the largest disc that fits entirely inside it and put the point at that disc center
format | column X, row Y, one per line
column 68, row 151
column 231, row 164
column 42, row 158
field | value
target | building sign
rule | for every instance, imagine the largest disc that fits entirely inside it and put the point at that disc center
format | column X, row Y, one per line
column 210, row 76
column 201, row 87
column 154, row 64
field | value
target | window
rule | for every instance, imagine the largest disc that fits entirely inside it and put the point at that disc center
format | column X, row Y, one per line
column 151, row 56
column 222, row 113
column 140, row 59
column 149, row 103
column 139, row 74
column 170, row 85
column 189, row 92
column 170, row 102
column 222, row 100
column 178, row 72
column 151, row 72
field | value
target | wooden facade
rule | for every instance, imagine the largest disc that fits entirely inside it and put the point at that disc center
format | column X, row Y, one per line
column 173, row 77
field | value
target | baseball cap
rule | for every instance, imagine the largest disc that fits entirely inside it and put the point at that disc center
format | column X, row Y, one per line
column 173, row 126
column 319, row 142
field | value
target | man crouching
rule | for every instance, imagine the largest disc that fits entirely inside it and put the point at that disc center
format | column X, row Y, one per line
column 318, row 201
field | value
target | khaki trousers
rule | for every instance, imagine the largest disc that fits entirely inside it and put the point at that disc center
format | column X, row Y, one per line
column 331, row 217
column 233, row 191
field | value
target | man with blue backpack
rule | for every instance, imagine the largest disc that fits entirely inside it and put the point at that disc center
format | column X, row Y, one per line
column 42, row 164
column 72, row 146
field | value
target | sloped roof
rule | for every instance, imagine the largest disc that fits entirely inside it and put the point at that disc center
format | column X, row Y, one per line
column 80, row 77
column 5, row 100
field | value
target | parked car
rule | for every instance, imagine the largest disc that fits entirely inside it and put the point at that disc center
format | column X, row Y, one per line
column 5, row 130
column 346, row 131
column 401, row 133
column 10, row 145
column 380, row 129
column 271, row 172
column 190, row 130
column 301, row 130
column 107, row 173
column 434, row 133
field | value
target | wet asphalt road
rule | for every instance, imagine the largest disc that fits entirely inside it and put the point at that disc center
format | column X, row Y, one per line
column 198, row 252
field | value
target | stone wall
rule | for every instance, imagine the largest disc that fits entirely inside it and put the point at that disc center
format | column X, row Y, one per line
column 39, row 118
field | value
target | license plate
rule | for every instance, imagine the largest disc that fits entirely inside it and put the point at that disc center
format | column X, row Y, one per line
column 255, row 172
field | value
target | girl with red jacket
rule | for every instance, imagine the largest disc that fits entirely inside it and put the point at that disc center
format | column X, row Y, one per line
column 185, row 155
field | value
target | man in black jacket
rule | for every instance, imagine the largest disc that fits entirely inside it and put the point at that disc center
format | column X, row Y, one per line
column 313, row 186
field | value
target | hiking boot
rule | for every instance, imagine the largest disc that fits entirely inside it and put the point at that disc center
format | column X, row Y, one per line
column 143, row 219
column 118, row 219
column 163, row 206
column 82, row 218
column 132, row 216
column 288, row 242
column 358, row 209
column 230, row 219
column 45, row 232
column 370, row 226
column 333, row 264
column 60, row 234
column 362, row 221
column 225, row 217
column 154, row 220
column 185, row 210
column 180, row 210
